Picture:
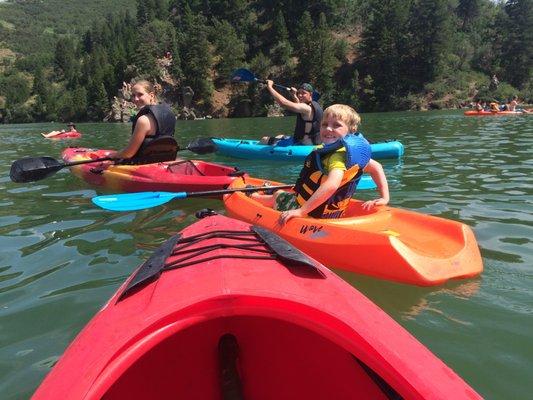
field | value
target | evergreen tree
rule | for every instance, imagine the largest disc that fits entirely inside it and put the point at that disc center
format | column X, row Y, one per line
column 384, row 52
column 322, row 59
column 146, row 11
column 281, row 50
column 228, row 47
column 97, row 99
column 196, row 56
column 65, row 59
column 517, row 55
column 432, row 35
column 468, row 12
column 304, row 48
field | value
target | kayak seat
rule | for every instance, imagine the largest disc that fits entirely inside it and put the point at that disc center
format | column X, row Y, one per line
column 160, row 149
column 185, row 167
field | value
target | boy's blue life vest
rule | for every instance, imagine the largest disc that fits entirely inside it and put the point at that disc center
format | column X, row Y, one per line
column 358, row 153
column 314, row 133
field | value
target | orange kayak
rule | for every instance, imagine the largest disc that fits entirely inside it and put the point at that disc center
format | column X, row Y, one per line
column 172, row 176
column 385, row 242
column 224, row 310
column 489, row 113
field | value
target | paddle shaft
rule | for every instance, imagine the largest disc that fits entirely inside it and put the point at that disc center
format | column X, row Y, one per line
column 275, row 84
column 228, row 191
column 71, row 164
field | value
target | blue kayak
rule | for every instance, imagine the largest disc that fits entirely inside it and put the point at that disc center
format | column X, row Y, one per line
column 253, row 150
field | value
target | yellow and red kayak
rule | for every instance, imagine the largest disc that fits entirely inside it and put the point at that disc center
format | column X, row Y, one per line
column 384, row 242
column 173, row 176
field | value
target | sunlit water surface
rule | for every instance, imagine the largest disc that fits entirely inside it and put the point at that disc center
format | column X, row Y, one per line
column 61, row 258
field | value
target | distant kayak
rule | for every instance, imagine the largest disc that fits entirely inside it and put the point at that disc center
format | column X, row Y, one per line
column 63, row 135
column 494, row 113
column 384, row 242
column 226, row 310
column 173, row 176
column 252, row 149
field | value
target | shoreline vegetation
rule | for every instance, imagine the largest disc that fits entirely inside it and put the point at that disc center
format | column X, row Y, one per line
column 74, row 62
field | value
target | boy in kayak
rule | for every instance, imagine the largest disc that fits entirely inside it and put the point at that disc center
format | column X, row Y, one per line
column 331, row 172
column 70, row 126
column 309, row 115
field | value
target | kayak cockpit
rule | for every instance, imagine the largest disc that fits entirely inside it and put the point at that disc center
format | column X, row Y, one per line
column 245, row 357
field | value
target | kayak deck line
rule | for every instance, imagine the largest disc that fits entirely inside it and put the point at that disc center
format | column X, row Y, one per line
column 269, row 247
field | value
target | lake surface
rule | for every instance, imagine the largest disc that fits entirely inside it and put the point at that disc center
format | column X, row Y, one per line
column 61, row 258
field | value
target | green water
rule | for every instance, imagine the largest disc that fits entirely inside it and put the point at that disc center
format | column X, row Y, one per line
column 61, row 258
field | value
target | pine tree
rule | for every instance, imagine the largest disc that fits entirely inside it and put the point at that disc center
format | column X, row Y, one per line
column 281, row 50
column 431, row 30
column 384, row 52
column 196, row 56
column 322, row 59
column 304, row 46
column 517, row 55
column 468, row 11
column 65, row 59
column 229, row 48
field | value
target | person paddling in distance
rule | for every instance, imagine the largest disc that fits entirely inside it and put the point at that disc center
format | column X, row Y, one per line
column 70, row 128
column 309, row 115
column 331, row 171
column 153, row 120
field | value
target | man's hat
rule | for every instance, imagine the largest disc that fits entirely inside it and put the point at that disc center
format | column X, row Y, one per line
column 307, row 87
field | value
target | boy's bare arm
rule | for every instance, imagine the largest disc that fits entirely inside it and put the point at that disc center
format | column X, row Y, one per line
column 324, row 192
column 375, row 170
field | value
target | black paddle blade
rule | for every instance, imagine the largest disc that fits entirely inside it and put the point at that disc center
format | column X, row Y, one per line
column 202, row 146
column 33, row 169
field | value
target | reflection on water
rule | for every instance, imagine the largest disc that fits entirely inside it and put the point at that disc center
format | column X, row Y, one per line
column 62, row 258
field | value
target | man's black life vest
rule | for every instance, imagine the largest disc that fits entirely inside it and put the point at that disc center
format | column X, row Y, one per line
column 314, row 133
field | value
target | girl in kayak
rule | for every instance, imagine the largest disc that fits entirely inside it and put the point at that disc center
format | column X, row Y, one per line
column 70, row 128
column 309, row 115
column 331, row 172
column 153, row 120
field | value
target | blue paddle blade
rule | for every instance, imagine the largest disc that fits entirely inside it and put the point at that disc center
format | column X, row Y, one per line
column 136, row 201
column 242, row 75
column 366, row 183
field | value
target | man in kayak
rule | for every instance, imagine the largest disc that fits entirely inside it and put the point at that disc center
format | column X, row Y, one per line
column 70, row 128
column 153, row 120
column 331, row 172
column 308, row 115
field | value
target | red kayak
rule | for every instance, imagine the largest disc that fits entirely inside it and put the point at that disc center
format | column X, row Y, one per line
column 172, row 176
column 226, row 310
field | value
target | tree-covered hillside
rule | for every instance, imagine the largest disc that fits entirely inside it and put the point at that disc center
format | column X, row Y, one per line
column 32, row 27
column 373, row 54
